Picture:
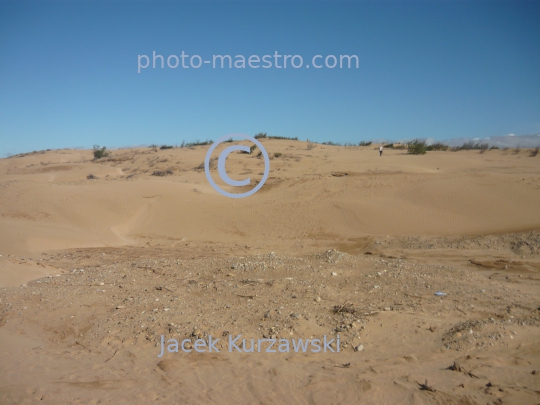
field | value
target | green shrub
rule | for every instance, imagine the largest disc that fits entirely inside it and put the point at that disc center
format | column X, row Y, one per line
column 416, row 147
column 389, row 146
column 363, row 143
column 260, row 135
column 277, row 154
column 100, row 152
column 166, row 147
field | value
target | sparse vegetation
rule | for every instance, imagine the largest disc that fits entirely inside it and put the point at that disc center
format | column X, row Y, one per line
column 91, row 177
column 260, row 135
column 364, row 143
column 416, row 147
column 278, row 154
column 471, row 146
column 162, row 172
column 251, row 149
column 389, row 146
column 534, row 152
column 437, row 146
column 166, row 147
column 183, row 144
column 100, row 152
column 330, row 143
column 212, row 163
column 310, row 145
column 198, row 143
column 282, row 137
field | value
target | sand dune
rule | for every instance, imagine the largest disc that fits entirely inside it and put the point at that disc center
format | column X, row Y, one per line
column 442, row 193
column 109, row 264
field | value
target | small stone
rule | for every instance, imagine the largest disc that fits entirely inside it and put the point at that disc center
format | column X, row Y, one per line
column 334, row 273
column 359, row 348
column 318, row 299
column 101, row 283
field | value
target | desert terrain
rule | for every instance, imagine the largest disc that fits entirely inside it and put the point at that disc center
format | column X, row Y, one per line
column 427, row 267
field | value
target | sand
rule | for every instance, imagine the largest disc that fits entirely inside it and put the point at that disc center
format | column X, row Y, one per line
column 338, row 242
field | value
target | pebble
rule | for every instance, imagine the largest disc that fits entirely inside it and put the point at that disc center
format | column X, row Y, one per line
column 334, row 273
column 359, row 348
column 197, row 333
column 318, row 299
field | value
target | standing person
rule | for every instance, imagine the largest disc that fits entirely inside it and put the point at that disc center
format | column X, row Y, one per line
column 380, row 151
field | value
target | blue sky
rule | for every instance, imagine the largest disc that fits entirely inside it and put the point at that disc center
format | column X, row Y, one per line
column 428, row 69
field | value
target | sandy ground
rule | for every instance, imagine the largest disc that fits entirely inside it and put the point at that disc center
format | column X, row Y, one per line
column 339, row 242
